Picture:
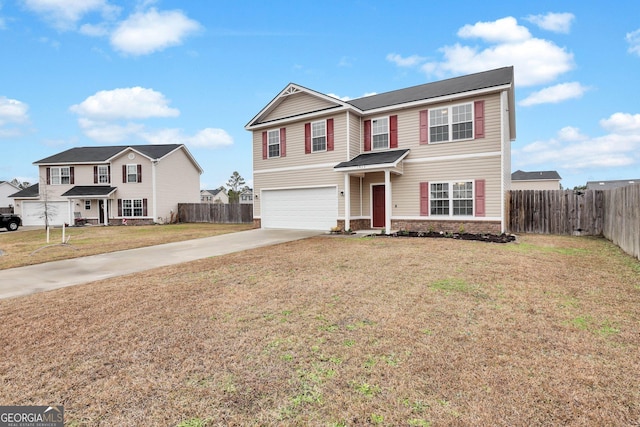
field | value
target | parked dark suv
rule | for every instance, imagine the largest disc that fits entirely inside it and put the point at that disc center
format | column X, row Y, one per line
column 10, row 221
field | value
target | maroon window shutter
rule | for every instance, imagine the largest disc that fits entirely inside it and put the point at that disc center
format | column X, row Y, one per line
column 264, row 145
column 119, row 207
column 283, row 142
column 139, row 173
column 109, row 174
column 480, row 197
column 124, row 173
column 329, row 134
column 48, row 176
column 95, row 174
column 367, row 135
column 144, row 207
column 307, row 138
column 72, row 178
column 424, row 198
column 479, row 119
column 393, row 131
column 424, row 127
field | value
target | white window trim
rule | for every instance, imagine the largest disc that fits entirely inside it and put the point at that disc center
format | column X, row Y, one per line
column 388, row 133
column 105, row 174
column 135, row 166
column 450, row 123
column 276, row 131
column 87, row 205
column 325, row 136
column 133, row 208
column 451, row 199
column 53, row 177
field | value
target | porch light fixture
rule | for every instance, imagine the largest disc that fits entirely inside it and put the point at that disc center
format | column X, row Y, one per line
column 342, row 193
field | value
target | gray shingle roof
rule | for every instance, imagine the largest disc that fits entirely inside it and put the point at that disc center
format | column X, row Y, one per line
column 370, row 159
column 102, row 154
column 534, row 175
column 89, row 191
column 32, row 191
column 483, row 80
column 611, row 184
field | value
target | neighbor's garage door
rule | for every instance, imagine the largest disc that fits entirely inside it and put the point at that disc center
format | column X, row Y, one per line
column 300, row 208
column 33, row 213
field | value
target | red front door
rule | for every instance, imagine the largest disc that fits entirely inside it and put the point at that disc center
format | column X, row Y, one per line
column 378, row 205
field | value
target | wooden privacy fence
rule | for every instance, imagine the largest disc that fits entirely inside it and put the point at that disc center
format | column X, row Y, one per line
column 218, row 213
column 614, row 214
column 556, row 212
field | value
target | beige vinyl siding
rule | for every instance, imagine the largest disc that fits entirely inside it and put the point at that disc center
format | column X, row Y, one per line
column 177, row 181
column 295, row 154
column 357, row 208
column 355, row 136
column 132, row 190
column 296, row 104
column 506, row 169
column 406, row 188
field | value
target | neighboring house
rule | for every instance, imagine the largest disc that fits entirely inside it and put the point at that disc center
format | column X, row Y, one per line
column 435, row 156
column 214, row 196
column 111, row 185
column 7, row 189
column 535, row 180
column 246, row 197
column 610, row 185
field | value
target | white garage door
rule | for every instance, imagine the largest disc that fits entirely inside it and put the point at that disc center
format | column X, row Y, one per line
column 33, row 213
column 300, row 208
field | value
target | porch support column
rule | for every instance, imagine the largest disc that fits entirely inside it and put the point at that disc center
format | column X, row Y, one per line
column 387, row 201
column 347, row 202
column 104, row 210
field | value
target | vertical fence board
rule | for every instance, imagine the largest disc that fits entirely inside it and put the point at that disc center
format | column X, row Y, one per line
column 217, row 213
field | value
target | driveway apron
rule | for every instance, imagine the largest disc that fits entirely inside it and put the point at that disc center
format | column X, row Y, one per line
column 21, row 281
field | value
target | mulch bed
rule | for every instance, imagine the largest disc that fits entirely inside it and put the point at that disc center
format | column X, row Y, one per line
column 492, row 238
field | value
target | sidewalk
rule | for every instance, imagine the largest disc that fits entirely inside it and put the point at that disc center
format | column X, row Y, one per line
column 22, row 281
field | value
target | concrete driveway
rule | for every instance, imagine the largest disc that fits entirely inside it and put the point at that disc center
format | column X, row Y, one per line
column 53, row 275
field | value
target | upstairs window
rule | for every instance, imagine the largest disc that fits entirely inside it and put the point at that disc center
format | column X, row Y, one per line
column 380, row 133
column 103, row 175
column 132, row 173
column 452, row 123
column 273, row 143
column 60, row 175
column 318, row 136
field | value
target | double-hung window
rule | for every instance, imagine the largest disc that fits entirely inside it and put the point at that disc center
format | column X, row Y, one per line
column 318, row 136
column 380, row 133
column 273, row 143
column 451, row 123
column 132, row 207
column 132, row 173
column 451, row 198
column 60, row 175
column 103, row 174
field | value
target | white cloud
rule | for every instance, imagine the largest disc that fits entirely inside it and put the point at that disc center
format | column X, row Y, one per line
column 556, row 22
column 147, row 32
column 13, row 111
column 64, row 14
column 622, row 123
column 408, row 61
column 572, row 150
column 114, row 116
column 633, row 38
column 536, row 61
column 504, row 30
column 555, row 94
column 125, row 103
column 342, row 98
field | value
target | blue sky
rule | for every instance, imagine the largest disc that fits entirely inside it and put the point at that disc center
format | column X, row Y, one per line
column 107, row 72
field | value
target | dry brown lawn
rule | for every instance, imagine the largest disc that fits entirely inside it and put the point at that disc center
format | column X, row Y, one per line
column 27, row 247
column 334, row 331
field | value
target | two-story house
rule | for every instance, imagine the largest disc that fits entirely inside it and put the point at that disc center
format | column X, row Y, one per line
column 111, row 185
column 431, row 157
column 214, row 196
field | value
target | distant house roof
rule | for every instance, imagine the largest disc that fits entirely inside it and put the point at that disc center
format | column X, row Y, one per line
column 374, row 159
column 213, row 192
column 106, row 153
column 89, row 191
column 535, row 176
column 609, row 185
column 32, row 191
column 483, row 80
